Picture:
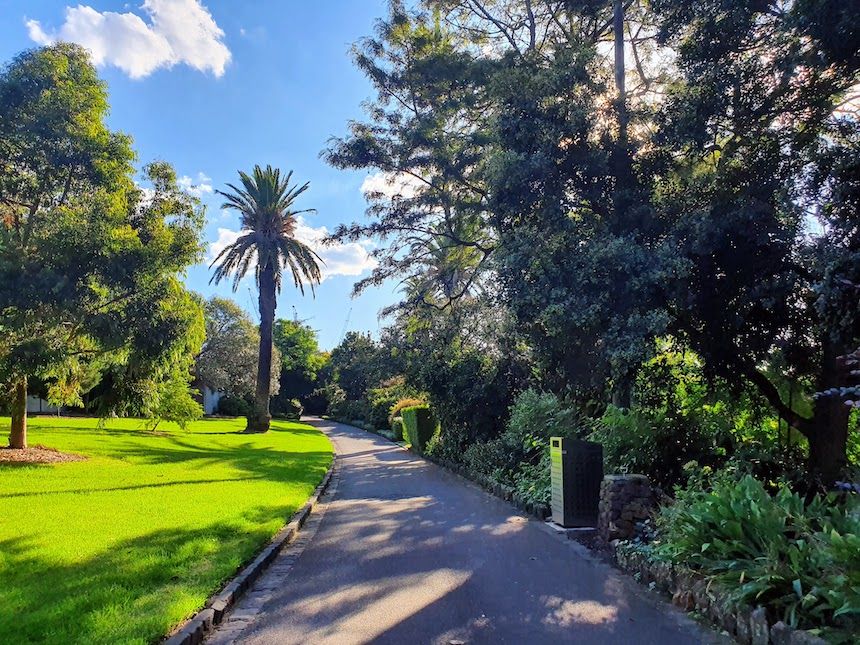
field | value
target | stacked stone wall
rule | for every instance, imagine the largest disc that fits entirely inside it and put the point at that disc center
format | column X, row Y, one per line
column 625, row 500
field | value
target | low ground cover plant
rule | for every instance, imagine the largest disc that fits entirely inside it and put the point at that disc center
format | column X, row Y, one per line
column 797, row 557
column 122, row 546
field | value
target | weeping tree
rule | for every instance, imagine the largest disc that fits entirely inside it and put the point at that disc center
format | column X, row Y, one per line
column 268, row 243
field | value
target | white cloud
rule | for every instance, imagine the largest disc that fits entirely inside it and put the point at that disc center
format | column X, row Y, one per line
column 198, row 187
column 391, row 185
column 178, row 32
column 350, row 259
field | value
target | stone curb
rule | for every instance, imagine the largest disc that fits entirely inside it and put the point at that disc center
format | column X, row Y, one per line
column 195, row 629
column 692, row 592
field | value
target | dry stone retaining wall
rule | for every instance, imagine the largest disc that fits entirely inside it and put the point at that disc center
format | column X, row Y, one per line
column 624, row 501
column 692, row 592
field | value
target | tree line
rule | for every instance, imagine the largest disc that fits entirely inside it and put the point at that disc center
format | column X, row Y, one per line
column 93, row 310
column 573, row 183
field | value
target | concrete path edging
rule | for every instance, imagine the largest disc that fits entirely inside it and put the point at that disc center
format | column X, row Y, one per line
column 194, row 630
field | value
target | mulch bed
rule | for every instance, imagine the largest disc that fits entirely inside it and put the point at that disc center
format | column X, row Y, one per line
column 591, row 540
column 36, row 455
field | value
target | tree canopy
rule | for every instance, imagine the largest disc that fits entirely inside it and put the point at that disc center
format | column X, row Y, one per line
column 688, row 172
column 89, row 260
column 227, row 362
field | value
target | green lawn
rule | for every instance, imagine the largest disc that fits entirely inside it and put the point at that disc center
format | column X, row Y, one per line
column 121, row 547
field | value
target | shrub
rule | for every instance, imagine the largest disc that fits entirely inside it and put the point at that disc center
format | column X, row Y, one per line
column 652, row 443
column 333, row 395
column 449, row 444
column 532, row 481
column 491, row 458
column 234, row 406
column 537, row 416
column 351, row 410
column 315, row 403
column 407, row 402
column 419, row 425
column 384, row 397
column 294, row 409
column 175, row 403
column 520, row 454
column 397, row 428
column 801, row 560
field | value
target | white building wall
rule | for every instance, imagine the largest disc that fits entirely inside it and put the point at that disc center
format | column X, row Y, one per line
column 210, row 399
column 35, row 405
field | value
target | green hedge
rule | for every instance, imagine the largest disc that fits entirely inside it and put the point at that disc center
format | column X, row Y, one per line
column 419, row 425
column 397, row 428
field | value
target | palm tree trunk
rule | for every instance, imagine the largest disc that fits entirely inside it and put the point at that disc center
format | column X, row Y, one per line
column 18, row 435
column 261, row 419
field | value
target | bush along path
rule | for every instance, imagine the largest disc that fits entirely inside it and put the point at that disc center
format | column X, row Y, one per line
column 407, row 552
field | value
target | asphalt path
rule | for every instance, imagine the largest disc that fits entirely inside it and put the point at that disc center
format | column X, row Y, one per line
column 406, row 552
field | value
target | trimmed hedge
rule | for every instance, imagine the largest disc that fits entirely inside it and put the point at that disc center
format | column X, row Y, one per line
column 397, row 428
column 419, row 425
column 401, row 404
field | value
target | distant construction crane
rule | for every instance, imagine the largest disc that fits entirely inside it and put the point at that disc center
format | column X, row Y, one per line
column 345, row 325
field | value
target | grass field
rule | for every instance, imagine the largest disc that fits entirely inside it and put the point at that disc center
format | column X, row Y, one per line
column 123, row 546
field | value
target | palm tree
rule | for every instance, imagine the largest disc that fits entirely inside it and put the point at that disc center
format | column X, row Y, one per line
column 265, row 204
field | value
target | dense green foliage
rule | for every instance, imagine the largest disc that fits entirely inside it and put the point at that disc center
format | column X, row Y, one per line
column 419, row 426
column 667, row 265
column 227, row 362
column 302, row 367
column 89, row 260
column 123, row 546
column 799, row 558
column 293, row 409
column 234, row 406
column 387, row 400
column 551, row 228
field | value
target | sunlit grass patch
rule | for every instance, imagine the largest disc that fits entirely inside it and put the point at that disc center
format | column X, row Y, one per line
column 124, row 545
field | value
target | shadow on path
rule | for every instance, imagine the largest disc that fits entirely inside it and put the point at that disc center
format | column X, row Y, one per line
column 409, row 553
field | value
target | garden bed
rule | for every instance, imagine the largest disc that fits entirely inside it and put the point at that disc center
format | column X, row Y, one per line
column 692, row 592
column 36, row 455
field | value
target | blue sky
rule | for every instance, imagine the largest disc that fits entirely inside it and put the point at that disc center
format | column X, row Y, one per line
column 214, row 86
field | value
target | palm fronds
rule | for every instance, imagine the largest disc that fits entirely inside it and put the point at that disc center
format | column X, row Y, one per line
column 265, row 204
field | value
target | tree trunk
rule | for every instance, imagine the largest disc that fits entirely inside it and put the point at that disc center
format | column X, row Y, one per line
column 261, row 419
column 621, row 99
column 18, row 435
column 829, row 438
column 622, row 164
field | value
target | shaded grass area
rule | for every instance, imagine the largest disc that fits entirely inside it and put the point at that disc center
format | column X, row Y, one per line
column 125, row 545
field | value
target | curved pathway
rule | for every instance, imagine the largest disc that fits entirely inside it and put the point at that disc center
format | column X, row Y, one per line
column 404, row 552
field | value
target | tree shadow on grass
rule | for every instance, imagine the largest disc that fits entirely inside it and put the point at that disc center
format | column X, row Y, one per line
column 181, row 482
column 133, row 592
column 259, row 462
